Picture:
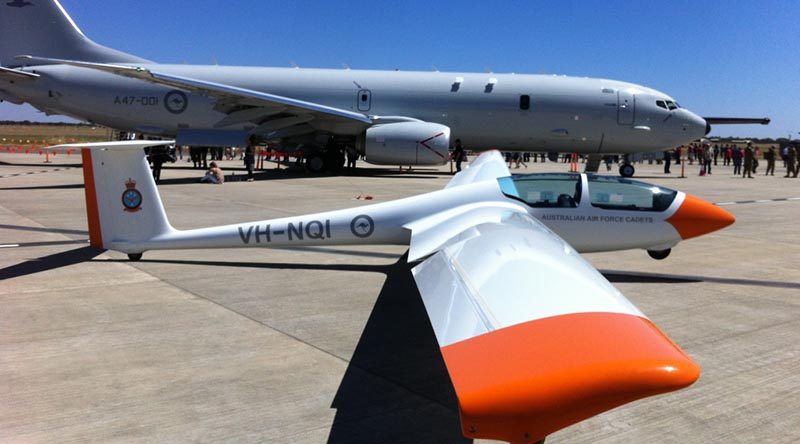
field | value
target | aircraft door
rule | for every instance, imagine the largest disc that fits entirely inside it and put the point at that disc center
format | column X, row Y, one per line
column 626, row 107
column 364, row 100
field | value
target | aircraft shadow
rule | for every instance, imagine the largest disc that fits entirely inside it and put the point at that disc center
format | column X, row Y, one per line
column 50, row 262
column 636, row 277
column 396, row 387
column 43, row 165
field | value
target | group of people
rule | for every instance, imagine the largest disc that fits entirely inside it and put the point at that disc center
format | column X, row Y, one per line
column 745, row 161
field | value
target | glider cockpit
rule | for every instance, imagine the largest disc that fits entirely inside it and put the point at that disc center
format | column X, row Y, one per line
column 569, row 190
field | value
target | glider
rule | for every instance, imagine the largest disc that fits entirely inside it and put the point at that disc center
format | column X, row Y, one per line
column 533, row 337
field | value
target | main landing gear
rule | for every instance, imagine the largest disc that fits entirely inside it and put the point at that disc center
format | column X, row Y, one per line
column 659, row 254
column 626, row 170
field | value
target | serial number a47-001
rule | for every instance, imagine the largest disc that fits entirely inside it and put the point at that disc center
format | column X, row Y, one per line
column 134, row 100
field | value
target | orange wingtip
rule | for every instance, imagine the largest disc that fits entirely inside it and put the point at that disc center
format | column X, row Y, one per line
column 521, row 383
column 696, row 217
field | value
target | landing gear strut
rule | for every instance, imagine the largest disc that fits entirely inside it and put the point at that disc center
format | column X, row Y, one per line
column 659, row 254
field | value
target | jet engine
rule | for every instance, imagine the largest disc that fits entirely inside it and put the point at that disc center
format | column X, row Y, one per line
column 406, row 143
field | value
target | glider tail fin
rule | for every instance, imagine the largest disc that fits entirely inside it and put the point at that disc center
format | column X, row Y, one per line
column 43, row 28
column 122, row 202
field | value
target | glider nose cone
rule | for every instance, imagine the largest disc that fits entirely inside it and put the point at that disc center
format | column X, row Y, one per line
column 696, row 217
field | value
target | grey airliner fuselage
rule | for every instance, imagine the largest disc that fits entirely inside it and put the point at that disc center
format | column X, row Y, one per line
column 500, row 111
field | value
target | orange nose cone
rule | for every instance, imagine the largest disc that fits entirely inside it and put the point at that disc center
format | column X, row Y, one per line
column 696, row 217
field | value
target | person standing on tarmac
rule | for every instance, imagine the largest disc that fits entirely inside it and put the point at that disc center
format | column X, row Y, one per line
column 250, row 157
column 458, row 155
column 769, row 156
column 667, row 160
column 748, row 161
column 791, row 162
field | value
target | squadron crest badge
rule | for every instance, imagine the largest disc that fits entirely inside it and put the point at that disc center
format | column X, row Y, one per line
column 131, row 197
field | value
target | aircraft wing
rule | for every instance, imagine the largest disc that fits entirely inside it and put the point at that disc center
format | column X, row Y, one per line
column 275, row 114
column 533, row 337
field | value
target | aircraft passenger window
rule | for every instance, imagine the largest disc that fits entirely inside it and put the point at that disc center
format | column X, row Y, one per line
column 544, row 190
column 363, row 97
column 661, row 104
column 617, row 193
column 525, row 102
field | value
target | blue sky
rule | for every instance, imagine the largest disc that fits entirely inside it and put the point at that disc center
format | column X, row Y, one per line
column 717, row 58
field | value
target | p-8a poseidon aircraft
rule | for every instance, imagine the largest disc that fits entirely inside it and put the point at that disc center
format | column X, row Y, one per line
column 391, row 117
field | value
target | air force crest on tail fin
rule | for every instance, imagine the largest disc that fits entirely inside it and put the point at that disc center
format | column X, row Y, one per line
column 131, row 197
column 19, row 4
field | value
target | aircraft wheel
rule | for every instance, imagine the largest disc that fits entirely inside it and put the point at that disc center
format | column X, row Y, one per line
column 552, row 156
column 659, row 254
column 133, row 257
column 315, row 163
column 626, row 170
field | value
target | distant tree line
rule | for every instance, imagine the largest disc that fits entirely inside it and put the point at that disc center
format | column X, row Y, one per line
column 28, row 122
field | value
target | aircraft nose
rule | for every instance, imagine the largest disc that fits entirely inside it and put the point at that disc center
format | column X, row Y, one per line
column 696, row 217
column 697, row 125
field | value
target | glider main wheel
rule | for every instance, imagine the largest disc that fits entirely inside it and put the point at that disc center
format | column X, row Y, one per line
column 315, row 163
column 626, row 170
column 134, row 257
column 659, row 254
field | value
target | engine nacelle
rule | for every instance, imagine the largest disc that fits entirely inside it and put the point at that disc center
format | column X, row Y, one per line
column 407, row 143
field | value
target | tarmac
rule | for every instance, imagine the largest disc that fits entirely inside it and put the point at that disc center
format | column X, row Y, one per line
column 333, row 344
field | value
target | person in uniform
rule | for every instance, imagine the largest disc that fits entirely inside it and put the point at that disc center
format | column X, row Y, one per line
column 458, row 155
column 667, row 159
column 769, row 156
column 791, row 162
column 250, row 157
column 748, row 161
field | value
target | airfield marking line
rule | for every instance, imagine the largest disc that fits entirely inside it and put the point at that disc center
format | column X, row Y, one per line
column 9, row 246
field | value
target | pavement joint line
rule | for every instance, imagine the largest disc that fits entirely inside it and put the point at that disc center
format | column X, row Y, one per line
column 298, row 339
column 751, row 201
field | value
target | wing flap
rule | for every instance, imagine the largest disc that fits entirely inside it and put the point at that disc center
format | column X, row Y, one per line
column 534, row 338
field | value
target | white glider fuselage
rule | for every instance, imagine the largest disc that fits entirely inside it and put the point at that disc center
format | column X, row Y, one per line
column 484, row 110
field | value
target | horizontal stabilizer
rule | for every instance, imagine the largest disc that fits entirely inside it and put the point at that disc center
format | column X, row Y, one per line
column 16, row 74
column 737, row 120
column 489, row 165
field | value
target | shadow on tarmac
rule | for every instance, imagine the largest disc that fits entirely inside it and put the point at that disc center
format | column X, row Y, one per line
column 658, row 278
column 396, row 387
column 50, row 262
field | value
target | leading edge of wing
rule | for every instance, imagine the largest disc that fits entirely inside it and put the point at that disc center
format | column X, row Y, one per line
column 208, row 88
column 534, row 338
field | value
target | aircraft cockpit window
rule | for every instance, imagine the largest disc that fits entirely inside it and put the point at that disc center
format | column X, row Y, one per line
column 544, row 190
column 671, row 105
column 617, row 193
column 661, row 104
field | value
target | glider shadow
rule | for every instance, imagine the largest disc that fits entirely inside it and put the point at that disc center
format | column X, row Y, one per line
column 396, row 387
column 50, row 262
column 659, row 278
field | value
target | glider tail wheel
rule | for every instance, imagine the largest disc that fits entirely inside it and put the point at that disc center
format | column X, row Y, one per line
column 659, row 254
column 134, row 257
column 626, row 170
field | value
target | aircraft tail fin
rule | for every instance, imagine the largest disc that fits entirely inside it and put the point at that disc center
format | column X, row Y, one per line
column 122, row 202
column 43, row 28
